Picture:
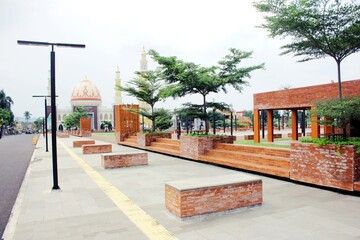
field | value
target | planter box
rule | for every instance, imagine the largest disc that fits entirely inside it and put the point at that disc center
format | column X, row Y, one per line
column 145, row 139
column 326, row 165
column 193, row 146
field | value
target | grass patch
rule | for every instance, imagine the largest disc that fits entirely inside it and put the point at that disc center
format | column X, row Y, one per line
column 104, row 134
column 261, row 144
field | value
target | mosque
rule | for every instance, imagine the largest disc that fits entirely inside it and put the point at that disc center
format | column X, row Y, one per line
column 87, row 95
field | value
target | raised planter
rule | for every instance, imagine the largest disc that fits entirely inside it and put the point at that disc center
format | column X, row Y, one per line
column 145, row 139
column 193, row 146
column 328, row 165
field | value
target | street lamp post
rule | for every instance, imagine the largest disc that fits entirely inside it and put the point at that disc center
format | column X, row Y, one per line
column 45, row 119
column 53, row 94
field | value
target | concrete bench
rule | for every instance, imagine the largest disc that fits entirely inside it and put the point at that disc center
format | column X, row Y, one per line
column 77, row 144
column 198, row 196
column 118, row 160
column 97, row 148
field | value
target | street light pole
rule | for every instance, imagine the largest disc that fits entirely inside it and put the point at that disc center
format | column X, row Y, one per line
column 53, row 103
column 45, row 119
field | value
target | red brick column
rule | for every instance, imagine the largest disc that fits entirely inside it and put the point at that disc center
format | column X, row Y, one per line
column 256, row 126
column 328, row 129
column 85, row 127
column 270, row 125
column 315, row 128
column 294, row 124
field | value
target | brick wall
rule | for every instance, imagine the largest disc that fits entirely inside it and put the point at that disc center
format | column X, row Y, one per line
column 191, row 146
column 326, row 165
column 305, row 96
column 77, row 144
column 213, row 199
column 145, row 139
column 123, row 160
column 98, row 148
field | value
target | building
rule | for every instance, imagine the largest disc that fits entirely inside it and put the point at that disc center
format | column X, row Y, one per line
column 87, row 95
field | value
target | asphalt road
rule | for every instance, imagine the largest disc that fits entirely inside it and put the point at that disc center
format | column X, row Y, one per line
column 15, row 155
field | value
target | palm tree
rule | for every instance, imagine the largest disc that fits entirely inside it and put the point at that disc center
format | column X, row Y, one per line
column 5, row 101
column 27, row 116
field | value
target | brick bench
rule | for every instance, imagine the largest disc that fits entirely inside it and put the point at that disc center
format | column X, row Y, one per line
column 62, row 135
column 290, row 135
column 248, row 137
column 118, row 160
column 277, row 135
column 77, row 144
column 97, row 148
column 198, row 196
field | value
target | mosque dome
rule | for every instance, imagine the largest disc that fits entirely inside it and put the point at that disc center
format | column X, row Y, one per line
column 85, row 94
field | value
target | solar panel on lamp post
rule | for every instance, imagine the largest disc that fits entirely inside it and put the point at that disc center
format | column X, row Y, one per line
column 53, row 98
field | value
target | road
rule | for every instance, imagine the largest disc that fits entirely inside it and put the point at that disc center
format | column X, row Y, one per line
column 15, row 155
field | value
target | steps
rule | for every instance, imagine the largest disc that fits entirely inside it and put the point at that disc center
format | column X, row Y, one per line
column 165, row 145
column 272, row 161
column 130, row 141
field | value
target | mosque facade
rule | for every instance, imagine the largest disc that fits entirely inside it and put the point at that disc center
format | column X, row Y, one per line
column 87, row 95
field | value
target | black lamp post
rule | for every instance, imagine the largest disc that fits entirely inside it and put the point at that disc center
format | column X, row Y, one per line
column 45, row 119
column 53, row 94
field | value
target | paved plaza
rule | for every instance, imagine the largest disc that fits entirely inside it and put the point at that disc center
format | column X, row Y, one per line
column 129, row 203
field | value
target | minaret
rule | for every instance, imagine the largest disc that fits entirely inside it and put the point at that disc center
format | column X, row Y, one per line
column 118, row 99
column 143, row 61
column 143, row 68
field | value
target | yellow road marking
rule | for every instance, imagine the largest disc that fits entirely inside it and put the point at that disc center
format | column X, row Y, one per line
column 149, row 226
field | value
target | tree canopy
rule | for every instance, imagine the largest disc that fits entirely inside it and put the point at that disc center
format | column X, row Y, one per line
column 5, row 116
column 5, row 104
column 73, row 120
column 27, row 116
column 147, row 87
column 341, row 112
column 318, row 28
column 190, row 78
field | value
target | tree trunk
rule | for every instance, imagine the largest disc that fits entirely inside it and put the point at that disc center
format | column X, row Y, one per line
column 338, row 62
column 152, row 119
column 205, row 116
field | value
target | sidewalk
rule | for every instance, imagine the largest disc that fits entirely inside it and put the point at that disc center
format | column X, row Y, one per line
column 129, row 203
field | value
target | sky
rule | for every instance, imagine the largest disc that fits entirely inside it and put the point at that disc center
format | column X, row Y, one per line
column 115, row 31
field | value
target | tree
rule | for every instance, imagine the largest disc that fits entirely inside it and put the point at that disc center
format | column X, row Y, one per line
column 73, row 120
column 190, row 78
column 5, row 116
column 5, row 101
column 106, row 125
column 27, row 116
column 38, row 123
column 163, row 119
column 318, row 28
column 147, row 87
column 341, row 112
